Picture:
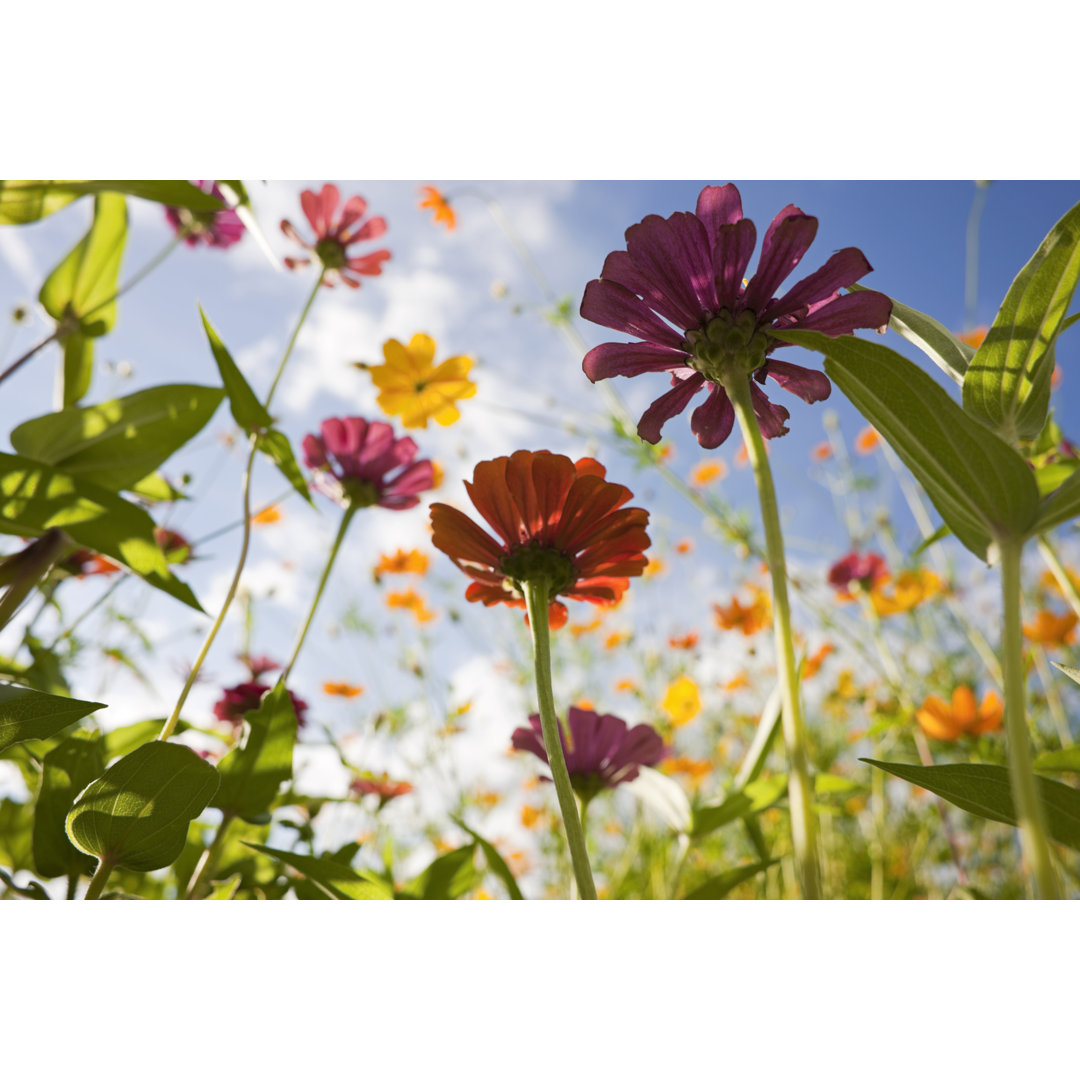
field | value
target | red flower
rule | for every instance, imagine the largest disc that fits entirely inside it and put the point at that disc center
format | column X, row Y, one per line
column 258, row 665
column 84, row 563
column 215, row 228
column 383, row 786
column 333, row 236
column 174, row 546
column 246, row 696
column 866, row 570
column 353, row 460
column 555, row 519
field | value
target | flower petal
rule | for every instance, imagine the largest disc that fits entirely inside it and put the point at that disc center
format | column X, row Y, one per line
column 785, row 243
column 719, row 206
column 842, row 269
column 491, row 497
column 457, row 535
column 668, row 405
column 712, row 420
column 674, row 254
column 619, row 268
column 806, row 383
column 770, row 416
column 617, row 308
column 630, row 359
column 732, row 249
column 865, row 309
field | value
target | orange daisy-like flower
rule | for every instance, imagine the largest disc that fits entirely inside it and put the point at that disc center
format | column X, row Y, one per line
column 556, row 520
column 707, row 471
column 687, row 641
column 751, row 618
column 382, row 785
column 821, row 452
column 342, row 689
column 867, row 441
column 435, row 200
column 948, row 723
column 812, row 664
column 270, row 516
column 910, row 589
column 402, row 562
column 410, row 600
column 1051, row 629
column 975, row 337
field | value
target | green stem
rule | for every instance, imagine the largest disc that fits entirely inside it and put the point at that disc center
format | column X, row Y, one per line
column 1029, row 809
column 209, row 858
column 1061, row 575
column 292, row 341
column 800, row 792
column 97, row 882
column 536, row 603
column 346, row 518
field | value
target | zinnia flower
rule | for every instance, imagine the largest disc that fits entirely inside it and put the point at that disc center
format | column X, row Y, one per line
column 435, row 200
column 412, row 387
column 174, row 546
column 215, row 228
column 258, row 665
column 334, row 235
column 602, row 752
column 679, row 287
column 359, row 463
column 555, row 519
column 383, row 786
column 246, row 696
column 866, row 571
column 940, row 721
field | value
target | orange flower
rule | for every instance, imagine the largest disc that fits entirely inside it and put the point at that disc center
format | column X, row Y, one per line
column 812, row 664
column 684, row 547
column 821, row 452
column 586, row 628
column 707, row 471
column 410, row 600
column 867, row 441
column 585, row 703
column 741, row 680
column 1048, row 581
column 435, row 200
column 342, row 689
column 694, row 771
column 1051, row 629
column 613, row 641
column 402, row 562
column 626, row 685
column 755, row 616
column 975, row 337
column 940, row 721
column 270, row 516
column 682, row 702
column 383, row 786
column 687, row 641
column 742, row 458
column 487, row 799
column 653, row 568
column 530, row 816
column 1057, row 377
column 910, row 589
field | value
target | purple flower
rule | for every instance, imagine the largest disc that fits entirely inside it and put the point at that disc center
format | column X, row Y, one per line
column 245, row 696
column 359, row 463
column 216, row 228
column 679, row 286
column 605, row 752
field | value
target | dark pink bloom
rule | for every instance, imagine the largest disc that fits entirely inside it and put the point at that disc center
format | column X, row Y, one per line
column 246, row 696
column 216, row 228
column 678, row 287
column 334, row 234
column 383, row 786
column 359, row 463
column 865, row 570
column 174, row 546
column 258, row 665
column 605, row 752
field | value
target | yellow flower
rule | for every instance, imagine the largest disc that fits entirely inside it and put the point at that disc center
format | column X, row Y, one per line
column 682, row 702
column 412, row 387
column 750, row 619
column 270, row 516
column 435, row 200
column 619, row 637
column 585, row 628
column 410, row 600
column 940, row 721
column 342, row 689
column 530, row 816
column 707, row 472
column 909, row 590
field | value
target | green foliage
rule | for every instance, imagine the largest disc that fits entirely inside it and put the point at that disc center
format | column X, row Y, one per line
column 23, row 201
column 339, row 881
column 123, row 740
column 137, row 814
column 716, row 888
column 66, row 770
column 28, row 714
column 754, row 797
column 119, row 443
column 985, row 790
column 495, row 862
column 942, row 346
column 1007, row 384
column 449, row 877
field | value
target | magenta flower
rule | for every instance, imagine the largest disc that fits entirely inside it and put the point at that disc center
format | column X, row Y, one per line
column 215, row 228
column 334, row 235
column 679, row 287
column 246, row 696
column 604, row 754
column 865, row 570
column 359, row 463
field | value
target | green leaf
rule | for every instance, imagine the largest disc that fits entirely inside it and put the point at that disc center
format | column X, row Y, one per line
column 123, row 740
column 718, row 887
column 1007, row 385
column 16, row 825
column 495, row 862
column 22, row 201
column 1067, row 760
column 984, row 790
column 831, row 784
column 119, row 443
column 137, row 814
column 35, row 497
column 1060, row 506
column 32, row 890
column 938, row 534
column 276, row 447
column 252, row 773
column 980, row 485
column 78, row 366
column 756, row 796
column 28, row 714
column 246, row 408
column 339, row 881
column 1073, row 673
column 447, row 878
column 66, row 770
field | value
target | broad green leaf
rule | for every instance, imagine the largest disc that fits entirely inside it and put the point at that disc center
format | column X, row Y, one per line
column 275, row 446
column 980, row 485
column 764, row 736
column 28, row 714
column 35, row 497
column 16, row 825
column 123, row 740
column 1007, row 384
column 119, row 443
column 756, row 796
column 1059, row 506
column 155, row 488
column 984, row 790
column 718, row 887
column 137, row 814
column 1067, row 760
column 246, row 408
column 942, row 346
column 66, row 770
column 22, row 201
column 339, row 881
column 251, row 774
column 1050, row 477
column 495, row 862
column 450, row 876
column 831, row 784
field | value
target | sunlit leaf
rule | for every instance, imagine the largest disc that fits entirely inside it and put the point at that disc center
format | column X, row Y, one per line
column 246, row 408
column 22, row 201
column 718, row 887
column 1059, row 506
column 66, row 770
column 756, row 796
column 449, row 877
column 276, row 447
column 339, row 881
column 1067, row 760
column 29, row 714
column 495, row 862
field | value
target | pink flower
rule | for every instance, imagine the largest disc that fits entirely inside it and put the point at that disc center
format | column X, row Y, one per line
column 246, row 696
column 359, row 463
column 865, row 570
column 215, row 228
column 333, row 235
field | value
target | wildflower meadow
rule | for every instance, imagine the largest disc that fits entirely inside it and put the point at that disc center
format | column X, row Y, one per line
column 481, row 541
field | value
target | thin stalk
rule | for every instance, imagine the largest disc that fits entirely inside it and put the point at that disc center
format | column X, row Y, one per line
column 209, row 857
column 971, row 267
column 1029, row 809
column 536, row 603
column 1061, row 575
column 97, row 882
column 1053, row 698
column 292, row 341
column 346, row 518
column 800, row 791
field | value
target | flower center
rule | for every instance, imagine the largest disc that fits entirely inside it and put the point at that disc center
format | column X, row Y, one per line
column 359, row 493
column 534, row 562
column 729, row 344
column 331, row 253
